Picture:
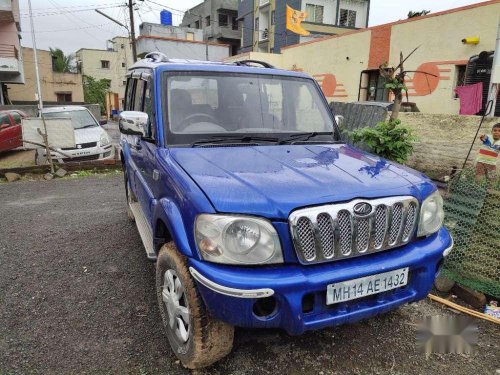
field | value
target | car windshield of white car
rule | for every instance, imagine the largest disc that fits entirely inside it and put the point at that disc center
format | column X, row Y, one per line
column 80, row 119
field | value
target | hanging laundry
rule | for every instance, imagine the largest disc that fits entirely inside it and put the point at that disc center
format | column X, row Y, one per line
column 471, row 98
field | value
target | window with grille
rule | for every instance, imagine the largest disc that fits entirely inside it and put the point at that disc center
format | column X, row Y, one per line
column 459, row 77
column 314, row 13
column 347, row 17
column 104, row 64
column 223, row 19
column 64, row 97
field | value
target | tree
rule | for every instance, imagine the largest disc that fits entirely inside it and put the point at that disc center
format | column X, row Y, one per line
column 412, row 14
column 62, row 63
column 395, row 81
column 94, row 91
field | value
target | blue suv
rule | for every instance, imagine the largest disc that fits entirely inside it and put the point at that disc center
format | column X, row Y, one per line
column 257, row 214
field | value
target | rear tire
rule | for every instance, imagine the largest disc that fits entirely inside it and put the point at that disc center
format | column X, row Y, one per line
column 195, row 337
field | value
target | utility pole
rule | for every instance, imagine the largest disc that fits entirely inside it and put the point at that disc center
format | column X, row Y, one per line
column 132, row 28
column 39, row 93
column 204, row 37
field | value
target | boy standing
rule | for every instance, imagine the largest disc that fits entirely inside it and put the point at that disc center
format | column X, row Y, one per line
column 486, row 161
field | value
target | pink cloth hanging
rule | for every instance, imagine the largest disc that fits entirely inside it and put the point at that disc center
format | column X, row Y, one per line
column 471, row 98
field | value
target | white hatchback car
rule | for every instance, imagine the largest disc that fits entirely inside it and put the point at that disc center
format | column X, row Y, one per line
column 92, row 141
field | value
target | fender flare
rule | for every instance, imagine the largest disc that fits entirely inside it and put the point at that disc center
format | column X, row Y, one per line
column 169, row 213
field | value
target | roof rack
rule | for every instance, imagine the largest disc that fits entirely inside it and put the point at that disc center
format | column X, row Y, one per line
column 250, row 62
column 157, row 57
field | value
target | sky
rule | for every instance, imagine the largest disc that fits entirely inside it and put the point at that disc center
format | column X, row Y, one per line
column 73, row 24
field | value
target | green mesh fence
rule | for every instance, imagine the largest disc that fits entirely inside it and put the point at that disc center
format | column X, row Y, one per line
column 473, row 218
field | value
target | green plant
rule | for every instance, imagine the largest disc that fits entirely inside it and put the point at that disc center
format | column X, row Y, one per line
column 94, row 91
column 62, row 63
column 388, row 139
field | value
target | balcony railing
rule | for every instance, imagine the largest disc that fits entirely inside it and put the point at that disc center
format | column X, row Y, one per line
column 9, row 51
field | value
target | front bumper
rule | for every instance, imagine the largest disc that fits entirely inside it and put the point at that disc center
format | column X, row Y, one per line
column 230, row 292
column 84, row 154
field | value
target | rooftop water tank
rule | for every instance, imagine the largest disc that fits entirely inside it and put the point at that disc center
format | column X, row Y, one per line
column 166, row 17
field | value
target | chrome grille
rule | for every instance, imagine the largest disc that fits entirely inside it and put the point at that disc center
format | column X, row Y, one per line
column 380, row 226
column 336, row 231
column 397, row 220
column 327, row 235
column 305, row 232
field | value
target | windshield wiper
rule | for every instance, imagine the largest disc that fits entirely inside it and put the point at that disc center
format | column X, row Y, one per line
column 87, row 126
column 302, row 137
column 232, row 138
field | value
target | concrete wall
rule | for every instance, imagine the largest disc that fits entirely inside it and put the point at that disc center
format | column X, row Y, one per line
column 51, row 82
column 154, row 29
column 182, row 49
column 444, row 140
column 32, row 109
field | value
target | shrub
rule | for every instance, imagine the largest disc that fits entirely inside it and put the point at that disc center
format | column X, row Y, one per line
column 388, row 139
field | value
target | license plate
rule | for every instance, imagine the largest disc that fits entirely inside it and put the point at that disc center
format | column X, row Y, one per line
column 366, row 286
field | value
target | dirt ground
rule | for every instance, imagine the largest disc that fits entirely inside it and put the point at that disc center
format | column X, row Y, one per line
column 77, row 296
column 17, row 158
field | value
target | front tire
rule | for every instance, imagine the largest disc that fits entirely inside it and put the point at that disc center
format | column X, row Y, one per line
column 196, row 338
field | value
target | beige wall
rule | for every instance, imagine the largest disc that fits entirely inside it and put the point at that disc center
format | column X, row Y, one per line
column 337, row 61
column 90, row 60
column 51, row 82
column 441, row 44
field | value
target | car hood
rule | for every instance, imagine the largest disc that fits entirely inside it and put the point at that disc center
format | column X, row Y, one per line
column 271, row 181
column 87, row 135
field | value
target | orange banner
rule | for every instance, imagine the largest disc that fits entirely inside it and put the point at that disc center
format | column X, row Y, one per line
column 293, row 20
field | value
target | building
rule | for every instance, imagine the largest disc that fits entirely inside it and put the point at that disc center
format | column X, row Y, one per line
column 219, row 21
column 263, row 22
column 56, row 87
column 11, row 56
column 178, row 43
column 347, row 65
column 111, row 64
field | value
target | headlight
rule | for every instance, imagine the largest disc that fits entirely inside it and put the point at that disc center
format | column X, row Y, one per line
column 104, row 140
column 237, row 240
column 431, row 215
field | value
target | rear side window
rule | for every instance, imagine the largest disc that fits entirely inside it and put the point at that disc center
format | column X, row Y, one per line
column 4, row 119
column 139, row 95
column 129, row 94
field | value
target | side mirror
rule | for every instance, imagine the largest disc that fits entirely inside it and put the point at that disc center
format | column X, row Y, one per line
column 340, row 120
column 103, row 122
column 133, row 123
column 4, row 126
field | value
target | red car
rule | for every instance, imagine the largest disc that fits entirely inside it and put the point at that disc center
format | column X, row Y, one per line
column 10, row 129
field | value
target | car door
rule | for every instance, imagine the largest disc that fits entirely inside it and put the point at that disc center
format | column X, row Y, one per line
column 9, row 133
column 18, row 137
column 150, row 170
column 139, row 151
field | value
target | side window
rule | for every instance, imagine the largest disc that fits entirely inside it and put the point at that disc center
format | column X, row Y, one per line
column 148, row 108
column 274, row 93
column 4, row 120
column 16, row 117
column 129, row 94
column 139, row 94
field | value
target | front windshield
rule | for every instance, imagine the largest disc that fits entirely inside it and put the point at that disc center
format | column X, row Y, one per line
column 201, row 105
column 80, row 119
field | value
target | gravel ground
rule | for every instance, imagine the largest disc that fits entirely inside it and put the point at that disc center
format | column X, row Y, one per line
column 77, row 296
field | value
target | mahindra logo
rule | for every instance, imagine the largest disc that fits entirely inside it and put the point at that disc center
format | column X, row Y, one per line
column 362, row 208
column 78, row 146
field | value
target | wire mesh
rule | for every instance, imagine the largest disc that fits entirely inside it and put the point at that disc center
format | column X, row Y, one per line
column 473, row 217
